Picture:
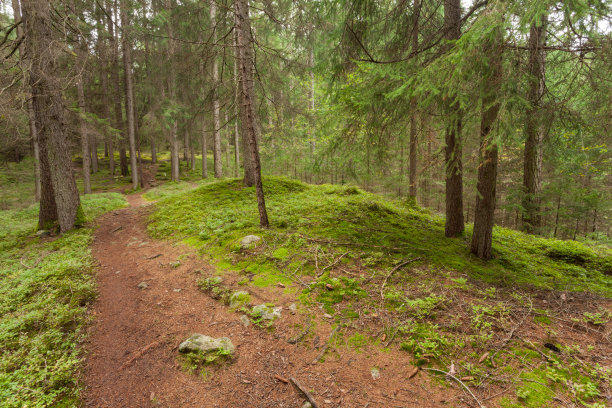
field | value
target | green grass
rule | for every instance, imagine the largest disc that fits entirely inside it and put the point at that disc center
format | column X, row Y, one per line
column 45, row 287
column 373, row 230
column 17, row 184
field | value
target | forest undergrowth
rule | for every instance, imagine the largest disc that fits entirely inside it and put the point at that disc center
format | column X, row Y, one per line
column 46, row 285
column 530, row 328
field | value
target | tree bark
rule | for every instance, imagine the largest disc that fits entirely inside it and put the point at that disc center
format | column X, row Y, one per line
column 56, row 164
column 532, row 163
column 247, row 104
column 412, row 178
column 174, row 141
column 84, row 135
column 236, row 132
column 484, row 213
column 129, row 92
column 217, row 156
column 117, row 92
column 453, row 152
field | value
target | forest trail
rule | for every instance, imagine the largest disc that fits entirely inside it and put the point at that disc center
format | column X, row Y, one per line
column 131, row 351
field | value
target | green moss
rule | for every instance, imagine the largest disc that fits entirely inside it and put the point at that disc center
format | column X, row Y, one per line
column 281, row 254
column 43, row 306
column 216, row 215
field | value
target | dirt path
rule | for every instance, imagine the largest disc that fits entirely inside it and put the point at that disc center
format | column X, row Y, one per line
column 132, row 358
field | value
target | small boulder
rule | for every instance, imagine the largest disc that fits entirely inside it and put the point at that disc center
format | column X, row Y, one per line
column 265, row 312
column 143, row 285
column 42, row 233
column 208, row 346
column 238, row 299
column 245, row 321
column 307, row 405
column 375, row 373
column 249, row 241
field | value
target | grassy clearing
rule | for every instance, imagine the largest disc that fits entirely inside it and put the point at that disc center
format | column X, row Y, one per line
column 340, row 245
column 45, row 287
column 17, row 184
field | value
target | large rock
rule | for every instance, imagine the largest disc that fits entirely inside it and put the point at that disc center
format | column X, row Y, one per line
column 200, row 343
column 265, row 312
column 249, row 241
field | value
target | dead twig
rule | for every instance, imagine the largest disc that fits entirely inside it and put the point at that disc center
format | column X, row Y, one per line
column 299, row 337
column 304, row 391
column 331, row 265
column 326, row 346
column 511, row 333
column 153, row 256
column 449, row 375
column 281, row 379
column 398, row 266
column 117, row 229
column 140, row 354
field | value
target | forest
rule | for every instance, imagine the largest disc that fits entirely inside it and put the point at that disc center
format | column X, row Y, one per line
column 326, row 203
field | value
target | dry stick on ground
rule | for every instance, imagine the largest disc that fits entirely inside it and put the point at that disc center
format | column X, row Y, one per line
column 331, row 265
column 304, row 391
column 511, row 333
column 140, row 354
column 400, row 265
column 449, row 375
column 117, row 229
column 299, row 337
column 322, row 353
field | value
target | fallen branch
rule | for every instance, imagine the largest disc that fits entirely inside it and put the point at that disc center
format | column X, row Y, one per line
column 449, row 375
column 117, row 229
column 331, row 265
column 352, row 244
column 511, row 333
column 304, row 391
column 326, row 346
column 140, row 354
column 299, row 337
column 398, row 266
column 281, row 379
column 153, row 256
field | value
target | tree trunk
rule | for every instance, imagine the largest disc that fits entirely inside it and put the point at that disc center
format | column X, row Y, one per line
column 129, row 92
column 453, row 152
column 117, row 91
column 153, row 151
column 247, row 104
column 312, row 96
column 30, row 107
column 532, row 164
column 56, row 165
column 204, row 151
column 236, row 132
column 174, row 142
column 484, row 213
column 84, row 135
column 412, row 178
column 217, row 156
column 93, row 151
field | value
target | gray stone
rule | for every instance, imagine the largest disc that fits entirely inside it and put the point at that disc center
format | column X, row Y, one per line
column 143, row 285
column 249, row 241
column 42, row 233
column 239, row 298
column 306, row 404
column 200, row 343
column 292, row 308
column 266, row 312
column 375, row 373
column 245, row 321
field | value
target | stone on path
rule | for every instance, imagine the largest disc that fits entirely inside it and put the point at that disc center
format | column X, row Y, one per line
column 200, row 343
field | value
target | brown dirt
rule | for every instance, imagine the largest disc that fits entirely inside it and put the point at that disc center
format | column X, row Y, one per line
column 132, row 358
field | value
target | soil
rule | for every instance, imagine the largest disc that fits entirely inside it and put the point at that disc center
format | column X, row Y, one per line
column 131, row 351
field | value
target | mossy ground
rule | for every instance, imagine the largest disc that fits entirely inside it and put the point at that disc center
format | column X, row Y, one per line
column 338, row 245
column 45, row 287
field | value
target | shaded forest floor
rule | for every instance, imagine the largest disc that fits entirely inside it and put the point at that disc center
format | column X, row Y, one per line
column 377, row 308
